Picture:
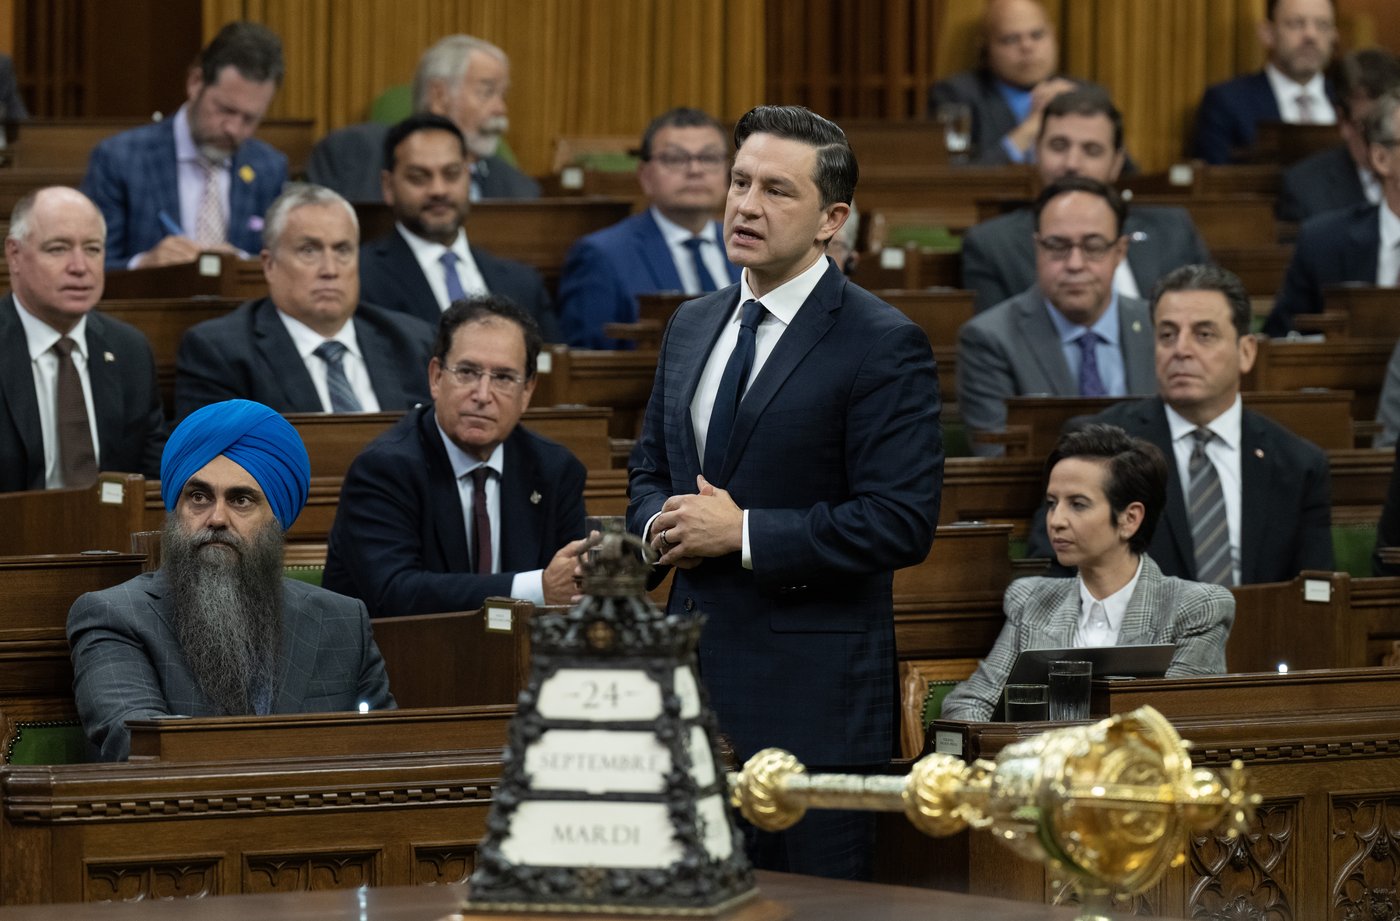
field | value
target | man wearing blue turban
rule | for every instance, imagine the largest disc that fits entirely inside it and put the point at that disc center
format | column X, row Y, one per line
column 218, row 630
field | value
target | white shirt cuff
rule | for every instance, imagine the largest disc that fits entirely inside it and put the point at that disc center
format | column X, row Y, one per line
column 528, row 585
column 746, row 554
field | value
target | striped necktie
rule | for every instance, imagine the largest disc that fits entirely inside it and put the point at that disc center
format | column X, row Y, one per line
column 1210, row 528
column 343, row 399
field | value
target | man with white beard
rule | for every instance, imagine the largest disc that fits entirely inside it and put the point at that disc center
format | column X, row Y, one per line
column 218, row 630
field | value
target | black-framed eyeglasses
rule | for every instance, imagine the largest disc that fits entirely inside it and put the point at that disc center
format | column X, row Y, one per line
column 1095, row 248
column 680, row 160
column 502, row 382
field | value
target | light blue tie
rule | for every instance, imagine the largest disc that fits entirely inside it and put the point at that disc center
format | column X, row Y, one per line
column 455, row 291
column 343, row 399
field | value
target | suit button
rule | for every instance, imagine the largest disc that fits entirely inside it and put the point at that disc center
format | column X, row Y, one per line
column 690, row 604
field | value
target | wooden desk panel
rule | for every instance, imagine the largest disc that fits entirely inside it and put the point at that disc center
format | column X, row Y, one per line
column 98, row 517
column 211, row 275
column 1357, row 365
column 68, row 142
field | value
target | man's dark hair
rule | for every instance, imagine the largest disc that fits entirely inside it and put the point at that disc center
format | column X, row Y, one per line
column 1135, row 471
column 475, row 309
column 836, row 172
column 1086, row 101
column 1370, row 72
column 680, row 117
column 1272, row 8
column 1208, row 278
column 423, row 121
column 1067, row 184
column 253, row 50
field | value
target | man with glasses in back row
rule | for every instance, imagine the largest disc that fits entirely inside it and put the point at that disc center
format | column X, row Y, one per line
column 672, row 246
column 1071, row 334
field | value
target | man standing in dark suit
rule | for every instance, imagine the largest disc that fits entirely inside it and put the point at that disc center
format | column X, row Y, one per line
column 459, row 502
column 674, row 245
column 462, row 78
column 78, row 389
column 1081, row 134
column 1341, row 177
column 1274, row 486
column 218, row 630
column 199, row 180
column 425, row 263
column 1360, row 244
column 1298, row 36
column 790, row 461
column 309, row 346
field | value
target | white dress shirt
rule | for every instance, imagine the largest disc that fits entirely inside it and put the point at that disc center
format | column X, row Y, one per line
column 1101, row 620
column 527, row 585
column 1287, row 91
column 41, row 338
column 429, row 256
column 710, row 251
column 1388, row 259
column 307, row 340
column 1224, row 452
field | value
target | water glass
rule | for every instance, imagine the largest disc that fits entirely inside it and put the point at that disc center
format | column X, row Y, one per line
column 1069, row 689
column 1027, row 703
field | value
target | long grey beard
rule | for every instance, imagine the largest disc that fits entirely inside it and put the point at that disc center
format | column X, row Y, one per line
column 228, row 612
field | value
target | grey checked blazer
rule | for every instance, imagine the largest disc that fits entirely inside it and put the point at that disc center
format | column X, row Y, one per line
column 1043, row 613
column 128, row 665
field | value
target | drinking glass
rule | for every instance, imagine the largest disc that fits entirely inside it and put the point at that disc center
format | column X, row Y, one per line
column 1027, row 702
column 1069, row 689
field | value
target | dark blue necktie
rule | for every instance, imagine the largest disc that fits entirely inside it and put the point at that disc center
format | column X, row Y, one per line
column 707, row 281
column 731, row 390
column 455, row 291
column 1090, row 384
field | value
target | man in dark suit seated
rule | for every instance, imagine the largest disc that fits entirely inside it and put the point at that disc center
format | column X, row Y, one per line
column 199, row 180
column 78, row 387
column 675, row 245
column 425, row 263
column 217, row 630
column 309, row 346
column 1009, row 92
column 1070, row 333
column 459, row 502
column 1081, row 134
column 1275, row 487
column 462, row 78
column 1298, row 37
column 1357, row 244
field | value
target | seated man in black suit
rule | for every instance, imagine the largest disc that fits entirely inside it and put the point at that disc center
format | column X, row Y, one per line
column 309, row 346
column 78, row 389
column 425, row 263
column 1081, row 134
column 461, row 77
column 1017, row 79
column 1357, row 244
column 1341, row 177
column 458, row 502
column 1298, row 37
column 1269, row 489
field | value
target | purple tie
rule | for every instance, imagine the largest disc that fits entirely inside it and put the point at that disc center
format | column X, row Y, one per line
column 1090, row 384
column 481, row 520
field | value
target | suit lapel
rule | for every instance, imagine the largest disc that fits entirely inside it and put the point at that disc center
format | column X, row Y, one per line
column 1257, row 488
column 1144, row 258
column 1135, row 341
column 379, row 362
column 17, row 391
column 166, row 185
column 105, row 377
column 1365, row 251
column 279, row 355
column 656, row 255
column 301, row 631
column 520, row 518
column 1062, row 622
column 1034, row 330
column 407, row 273
column 449, row 524
column 240, row 196
column 1139, row 620
column 1154, row 422
column 716, row 311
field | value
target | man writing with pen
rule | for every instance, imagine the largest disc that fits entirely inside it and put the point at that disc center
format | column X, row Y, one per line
column 197, row 181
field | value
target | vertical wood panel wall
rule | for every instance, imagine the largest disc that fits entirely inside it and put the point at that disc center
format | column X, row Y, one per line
column 577, row 66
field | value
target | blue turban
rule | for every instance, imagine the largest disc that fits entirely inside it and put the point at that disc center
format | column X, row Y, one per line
column 253, row 437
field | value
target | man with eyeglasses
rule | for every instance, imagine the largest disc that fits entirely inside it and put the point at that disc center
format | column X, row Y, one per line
column 1071, row 334
column 1298, row 37
column 672, row 246
column 458, row 502
column 310, row 345
column 426, row 262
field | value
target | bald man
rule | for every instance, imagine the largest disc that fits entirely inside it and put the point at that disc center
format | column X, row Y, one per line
column 218, row 630
column 1018, row 76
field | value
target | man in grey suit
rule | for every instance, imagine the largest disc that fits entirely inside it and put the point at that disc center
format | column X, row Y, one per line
column 217, row 630
column 1081, row 134
column 461, row 77
column 1070, row 334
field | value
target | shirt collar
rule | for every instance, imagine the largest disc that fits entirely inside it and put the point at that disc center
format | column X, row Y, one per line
column 1105, row 327
column 185, row 149
column 676, row 235
column 1225, row 426
column 464, row 463
column 1390, row 228
column 430, row 251
column 41, row 336
column 1114, row 606
column 1285, row 87
column 785, row 300
column 307, row 340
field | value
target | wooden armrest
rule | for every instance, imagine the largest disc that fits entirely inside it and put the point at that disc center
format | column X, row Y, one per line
column 1329, row 322
column 1016, row 438
column 1389, row 555
column 646, row 333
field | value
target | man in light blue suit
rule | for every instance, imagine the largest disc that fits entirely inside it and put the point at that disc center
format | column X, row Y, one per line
column 196, row 181
column 674, row 245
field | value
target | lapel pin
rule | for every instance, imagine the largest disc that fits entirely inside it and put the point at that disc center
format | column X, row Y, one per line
column 108, row 356
column 1259, row 453
column 245, row 172
column 1137, row 326
column 535, row 498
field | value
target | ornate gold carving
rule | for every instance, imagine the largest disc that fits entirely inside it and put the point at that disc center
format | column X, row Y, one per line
column 443, row 864
column 1366, row 853
column 303, row 872
column 1298, row 751
column 139, row 880
column 1247, row 878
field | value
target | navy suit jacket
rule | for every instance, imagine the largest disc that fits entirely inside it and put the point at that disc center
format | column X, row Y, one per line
column 606, row 270
column 132, row 178
column 248, row 354
column 391, row 277
column 399, row 541
column 131, row 426
column 837, row 456
column 1286, row 505
column 1333, row 248
column 1228, row 114
column 1325, row 181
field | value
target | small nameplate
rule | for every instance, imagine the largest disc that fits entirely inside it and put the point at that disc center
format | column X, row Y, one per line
column 548, row 833
column 702, row 760
column 111, row 494
column 571, row 177
column 948, row 743
column 892, row 257
column 1317, row 591
column 600, row 695
column 718, row 836
column 597, row 761
column 210, row 265
column 688, row 692
column 498, row 619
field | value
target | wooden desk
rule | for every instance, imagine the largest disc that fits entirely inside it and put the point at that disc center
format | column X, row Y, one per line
column 97, row 517
column 68, row 142
column 1366, row 312
column 1357, row 365
column 211, row 275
